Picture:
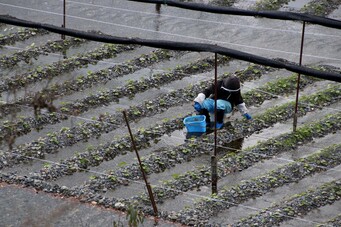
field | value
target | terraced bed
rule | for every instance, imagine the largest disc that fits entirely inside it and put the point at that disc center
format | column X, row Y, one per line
column 62, row 130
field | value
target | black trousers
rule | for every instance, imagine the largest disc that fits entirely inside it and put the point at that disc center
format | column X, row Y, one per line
column 220, row 115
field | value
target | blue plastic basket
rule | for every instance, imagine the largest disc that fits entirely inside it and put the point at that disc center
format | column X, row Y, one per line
column 195, row 123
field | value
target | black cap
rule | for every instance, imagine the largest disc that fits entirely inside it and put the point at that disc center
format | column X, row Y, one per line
column 232, row 83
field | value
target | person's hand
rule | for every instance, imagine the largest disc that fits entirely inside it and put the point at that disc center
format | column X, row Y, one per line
column 197, row 106
column 247, row 116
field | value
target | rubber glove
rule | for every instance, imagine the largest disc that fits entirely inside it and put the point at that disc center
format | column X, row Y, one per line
column 247, row 116
column 197, row 106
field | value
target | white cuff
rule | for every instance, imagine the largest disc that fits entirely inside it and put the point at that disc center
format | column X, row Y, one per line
column 242, row 108
column 200, row 98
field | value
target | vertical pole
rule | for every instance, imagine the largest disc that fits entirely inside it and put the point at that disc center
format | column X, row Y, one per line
column 158, row 7
column 149, row 189
column 215, row 101
column 214, row 156
column 298, row 80
column 64, row 11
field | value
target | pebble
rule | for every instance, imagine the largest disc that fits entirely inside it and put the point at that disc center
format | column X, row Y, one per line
column 119, row 205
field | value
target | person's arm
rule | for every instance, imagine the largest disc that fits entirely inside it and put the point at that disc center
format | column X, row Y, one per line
column 209, row 90
column 241, row 106
column 243, row 110
column 203, row 95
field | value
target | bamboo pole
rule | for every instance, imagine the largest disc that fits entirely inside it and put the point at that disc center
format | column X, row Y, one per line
column 298, row 80
column 149, row 189
column 64, row 20
column 214, row 156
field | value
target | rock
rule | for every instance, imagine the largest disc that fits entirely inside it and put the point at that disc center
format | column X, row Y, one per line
column 172, row 216
column 64, row 188
column 119, row 205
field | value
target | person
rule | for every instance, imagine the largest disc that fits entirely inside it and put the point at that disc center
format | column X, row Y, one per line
column 228, row 96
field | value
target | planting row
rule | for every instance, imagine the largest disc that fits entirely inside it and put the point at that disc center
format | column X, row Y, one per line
column 138, row 86
column 250, row 189
column 293, row 172
column 321, row 7
column 108, row 122
column 270, row 5
column 227, row 3
column 260, row 185
column 231, row 163
column 84, row 131
column 34, row 51
column 92, row 78
column 295, row 206
column 334, row 222
column 65, row 65
column 108, row 151
column 67, row 137
column 166, row 159
column 25, row 125
column 21, row 35
column 314, row 7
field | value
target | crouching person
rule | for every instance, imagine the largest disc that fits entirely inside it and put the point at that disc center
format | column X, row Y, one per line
column 228, row 96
